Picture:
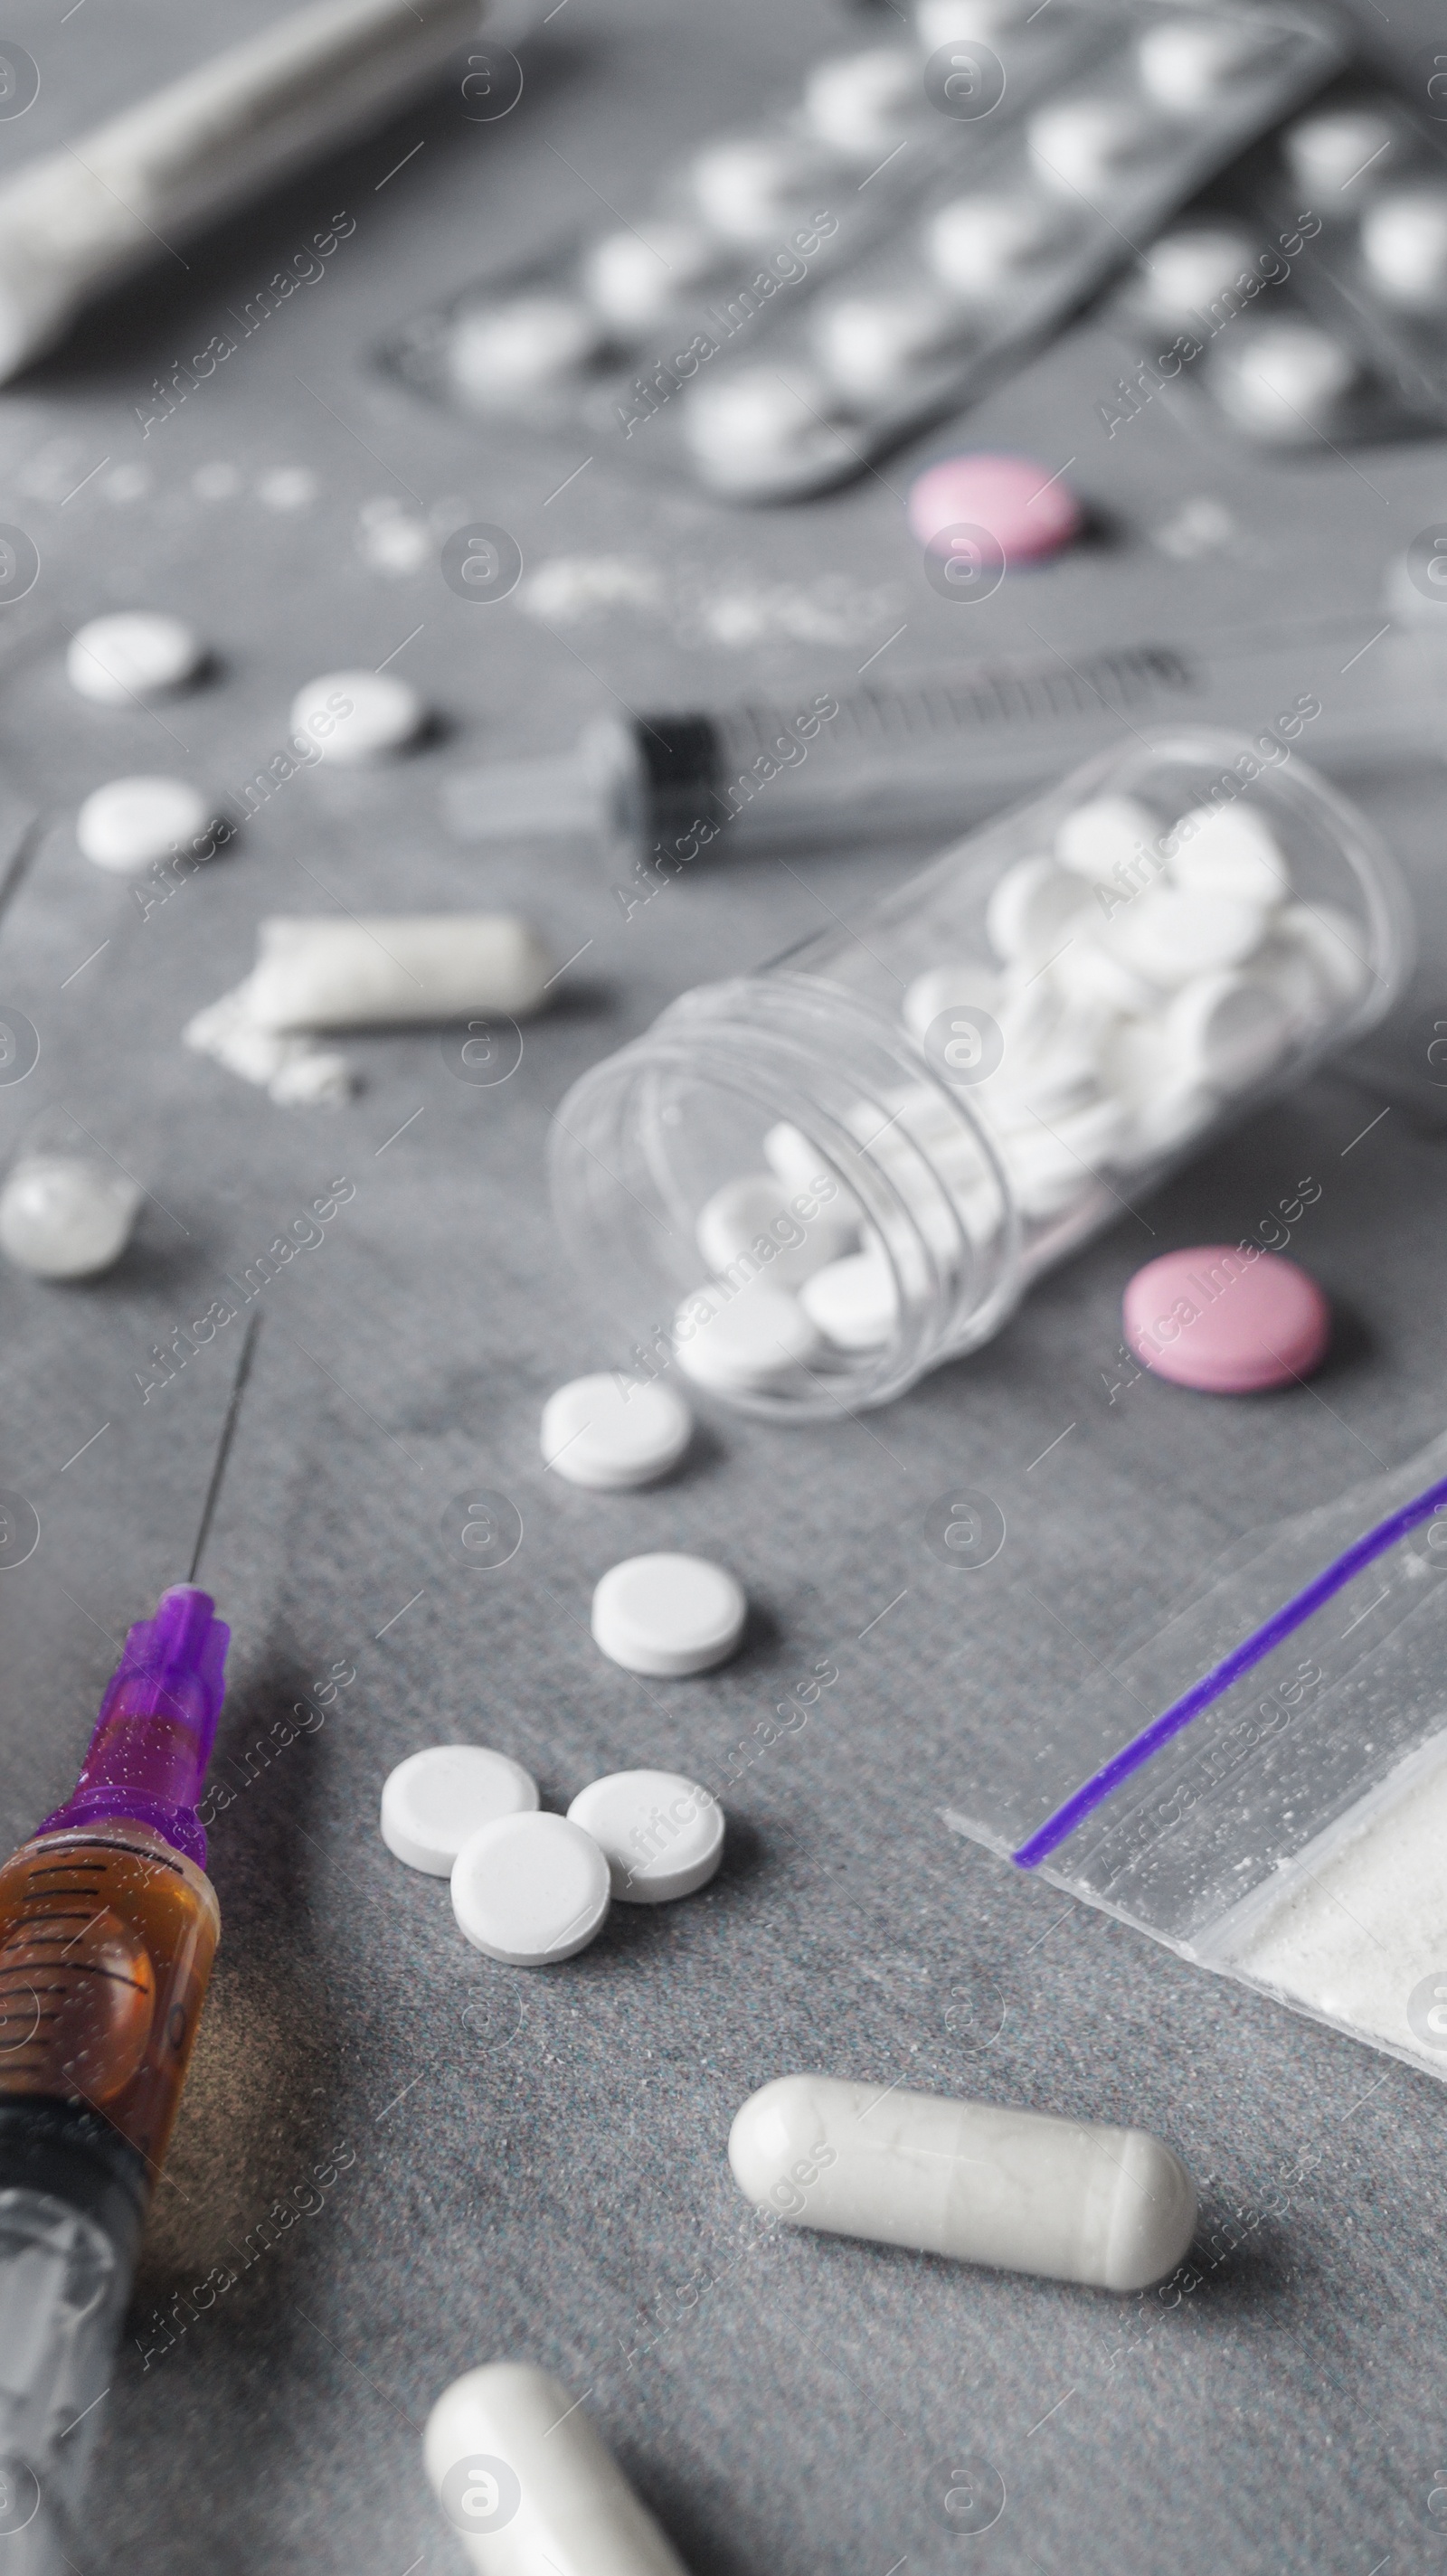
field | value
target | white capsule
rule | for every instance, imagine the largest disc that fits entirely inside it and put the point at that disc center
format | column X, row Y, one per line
column 394, row 969
column 753, row 186
column 1404, row 244
column 435, row 1800
column 1284, row 380
column 1342, row 154
column 523, row 2478
column 977, row 2181
column 611, row 1434
column 1230, row 850
column 1031, row 909
column 136, row 655
column 861, row 103
column 943, row 988
column 357, row 717
column 1189, row 62
column 1084, row 143
column 745, row 1341
column 753, row 1216
column 869, row 345
column 854, row 1302
column 661, row 1834
column 984, row 247
column 498, row 352
column 1226, row 1030
column 635, row 278
column 530, row 1890
column 65, row 1217
column 1110, row 833
column 1184, row 273
column 668, row 1615
column 130, row 823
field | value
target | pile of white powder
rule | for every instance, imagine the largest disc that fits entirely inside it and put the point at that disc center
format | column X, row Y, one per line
column 1358, row 1930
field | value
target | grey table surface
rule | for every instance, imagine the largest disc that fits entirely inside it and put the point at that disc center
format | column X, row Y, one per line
column 534, row 2166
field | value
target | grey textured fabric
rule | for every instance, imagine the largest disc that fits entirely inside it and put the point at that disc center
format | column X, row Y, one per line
column 534, row 2167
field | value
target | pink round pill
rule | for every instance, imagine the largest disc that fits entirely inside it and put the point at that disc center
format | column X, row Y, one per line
column 1026, row 508
column 1226, row 1319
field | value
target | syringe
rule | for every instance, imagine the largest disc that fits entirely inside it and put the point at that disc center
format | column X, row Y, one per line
column 108, row 1925
column 923, row 759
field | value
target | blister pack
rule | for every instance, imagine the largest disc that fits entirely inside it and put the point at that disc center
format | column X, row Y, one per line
column 981, row 275
column 1263, row 1786
column 1307, row 298
column 1232, row 308
column 606, row 326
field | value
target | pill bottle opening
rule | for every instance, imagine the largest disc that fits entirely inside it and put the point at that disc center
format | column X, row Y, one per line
column 803, row 1188
column 743, row 1189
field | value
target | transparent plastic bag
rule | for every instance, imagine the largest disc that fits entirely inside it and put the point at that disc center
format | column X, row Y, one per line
column 1292, row 1833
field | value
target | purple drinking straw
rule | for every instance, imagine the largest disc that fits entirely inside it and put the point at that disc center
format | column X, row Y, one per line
column 157, row 1721
column 1213, row 1685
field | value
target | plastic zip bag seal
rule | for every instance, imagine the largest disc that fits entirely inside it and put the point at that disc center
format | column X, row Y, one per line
column 1263, row 1785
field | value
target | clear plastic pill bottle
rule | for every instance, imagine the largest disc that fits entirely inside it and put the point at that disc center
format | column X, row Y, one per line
column 806, row 1187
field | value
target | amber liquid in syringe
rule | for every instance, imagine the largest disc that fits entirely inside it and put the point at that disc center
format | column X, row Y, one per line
column 106, row 1943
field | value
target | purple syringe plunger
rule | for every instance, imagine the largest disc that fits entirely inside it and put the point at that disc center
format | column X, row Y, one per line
column 157, row 1721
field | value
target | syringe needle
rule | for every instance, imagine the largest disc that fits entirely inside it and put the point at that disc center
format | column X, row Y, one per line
column 223, row 1446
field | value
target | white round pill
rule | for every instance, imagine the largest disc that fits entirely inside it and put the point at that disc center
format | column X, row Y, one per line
column 1110, row 832
column 64, row 1217
column 854, row 1302
column 1092, row 972
column 530, row 1889
column 668, row 1615
column 1051, row 1049
column 634, row 278
column 138, row 653
column 982, row 246
column 1188, row 62
column 1169, row 934
column 1404, row 243
column 437, row 1798
column 1231, row 850
column 356, row 717
column 945, row 988
column 869, row 344
column 755, row 419
column 497, row 352
column 946, row 22
column 1336, row 947
column 755, row 1211
column 1226, row 1030
column 132, row 822
column 745, row 1342
column 1031, row 910
column 661, row 1835
column 861, row 103
column 1339, row 151
column 750, row 186
column 1185, row 272
column 807, row 1170
column 1083, row 142
column 1284, row 380
column 611, row 1433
